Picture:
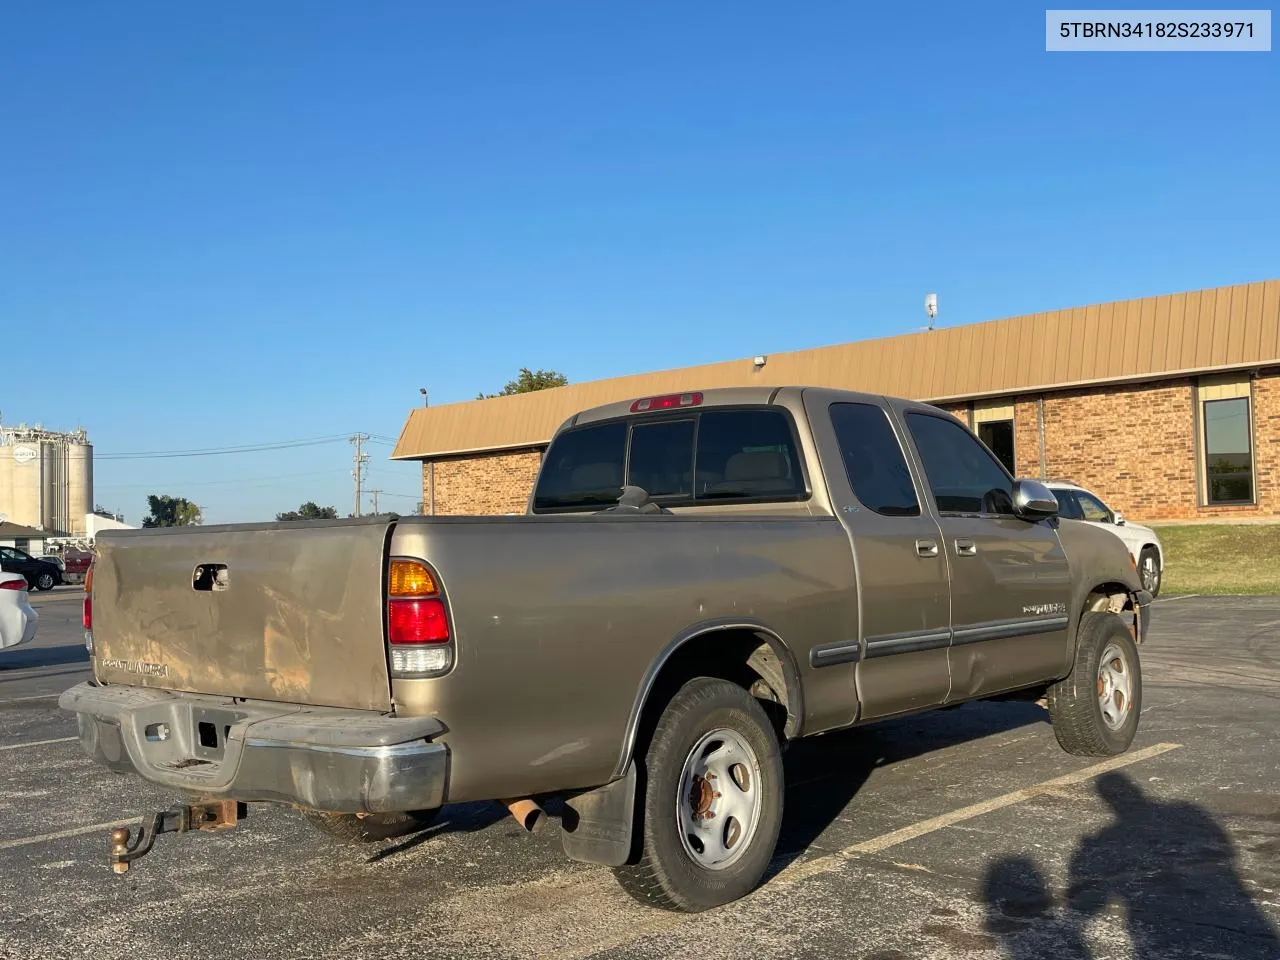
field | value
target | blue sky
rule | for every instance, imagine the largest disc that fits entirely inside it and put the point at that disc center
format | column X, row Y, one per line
column 244, row 223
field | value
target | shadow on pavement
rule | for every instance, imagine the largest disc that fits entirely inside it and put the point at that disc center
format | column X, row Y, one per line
column 454, row 818
column 1170, row 867
column 21, row 658
column 824, row 774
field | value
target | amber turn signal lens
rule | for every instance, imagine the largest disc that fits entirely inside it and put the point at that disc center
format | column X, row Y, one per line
column 410, row 579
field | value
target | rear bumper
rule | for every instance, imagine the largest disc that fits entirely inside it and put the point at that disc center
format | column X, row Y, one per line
column 342, row 761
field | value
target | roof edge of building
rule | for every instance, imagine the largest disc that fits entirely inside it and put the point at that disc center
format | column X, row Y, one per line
column 1002, row 394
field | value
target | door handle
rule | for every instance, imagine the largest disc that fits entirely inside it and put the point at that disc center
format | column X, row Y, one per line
column 926, row 548
column 966, row 547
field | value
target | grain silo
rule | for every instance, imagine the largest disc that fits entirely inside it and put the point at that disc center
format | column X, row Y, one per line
column 46, row 478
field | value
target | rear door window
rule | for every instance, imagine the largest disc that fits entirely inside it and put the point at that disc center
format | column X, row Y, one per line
column 873, row 460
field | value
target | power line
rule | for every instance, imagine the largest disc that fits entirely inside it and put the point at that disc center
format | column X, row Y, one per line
column 209, row 483
column 220, row 451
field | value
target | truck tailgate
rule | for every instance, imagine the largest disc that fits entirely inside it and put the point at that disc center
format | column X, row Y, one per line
column 298, row 618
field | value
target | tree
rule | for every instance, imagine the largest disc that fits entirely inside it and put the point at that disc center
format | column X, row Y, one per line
column 309, row 511
column 169, row 511
column 528, row 382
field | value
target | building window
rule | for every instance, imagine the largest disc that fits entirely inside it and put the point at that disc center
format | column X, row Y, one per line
column 998, row 435
column 993, row 423
column 1228, row 453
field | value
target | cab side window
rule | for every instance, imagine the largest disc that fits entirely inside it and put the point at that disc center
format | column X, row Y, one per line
column 962, row 473
column 873, row 460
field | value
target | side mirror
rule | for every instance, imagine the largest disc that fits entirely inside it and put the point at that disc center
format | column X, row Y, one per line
column 1032, row 500
column 1117, row 518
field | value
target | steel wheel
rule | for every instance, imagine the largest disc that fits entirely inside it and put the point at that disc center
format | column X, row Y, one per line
column 1115, row 687
column 719, row 799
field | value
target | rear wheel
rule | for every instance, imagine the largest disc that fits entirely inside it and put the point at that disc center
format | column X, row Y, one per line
column 370, row 827
column 1095, row 710
column 1149, row 570
column 712, row 804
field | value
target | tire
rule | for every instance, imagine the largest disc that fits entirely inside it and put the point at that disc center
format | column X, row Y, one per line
column 371, row 827
column 1153, row 575
column 45, row 581
column 1081, row 724
column 709, row 725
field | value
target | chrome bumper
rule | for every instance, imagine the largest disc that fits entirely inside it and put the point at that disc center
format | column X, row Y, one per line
column 342, row 761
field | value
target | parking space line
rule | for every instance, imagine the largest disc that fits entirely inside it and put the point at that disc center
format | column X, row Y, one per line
column 37, row 743
column 73, row 832
column 933, row 824
column 801, row 870
column 43, row 696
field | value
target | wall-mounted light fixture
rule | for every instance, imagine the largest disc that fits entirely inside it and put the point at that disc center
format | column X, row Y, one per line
column 759, row 361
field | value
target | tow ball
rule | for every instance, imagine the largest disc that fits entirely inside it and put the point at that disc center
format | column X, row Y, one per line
column 127, row 846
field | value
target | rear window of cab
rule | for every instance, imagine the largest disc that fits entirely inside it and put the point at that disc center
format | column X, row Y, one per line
column 719, row 455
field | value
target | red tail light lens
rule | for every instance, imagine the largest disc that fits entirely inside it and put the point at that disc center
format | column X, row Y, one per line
column 417, row 621
column 88, row 598
column 13, row 585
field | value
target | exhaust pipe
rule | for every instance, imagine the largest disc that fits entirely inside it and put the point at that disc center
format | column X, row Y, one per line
column 528, row 814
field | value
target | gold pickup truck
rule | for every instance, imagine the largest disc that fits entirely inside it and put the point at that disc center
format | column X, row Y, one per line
column 699, row 579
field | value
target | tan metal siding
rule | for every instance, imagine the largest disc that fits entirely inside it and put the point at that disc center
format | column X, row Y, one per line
column 1158, row 336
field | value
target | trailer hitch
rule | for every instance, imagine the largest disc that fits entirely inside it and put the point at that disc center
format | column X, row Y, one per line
column 127, row 847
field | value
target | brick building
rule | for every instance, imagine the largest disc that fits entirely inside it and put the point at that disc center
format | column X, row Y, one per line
column 1169, row 406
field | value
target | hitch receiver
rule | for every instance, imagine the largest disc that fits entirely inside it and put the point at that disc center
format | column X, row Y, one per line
column 214, row 815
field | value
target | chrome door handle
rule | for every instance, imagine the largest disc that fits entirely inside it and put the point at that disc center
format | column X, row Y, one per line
column 966, row 548
column 926, row 548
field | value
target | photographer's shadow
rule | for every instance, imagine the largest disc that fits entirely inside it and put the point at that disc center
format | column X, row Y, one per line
column 1170, row 867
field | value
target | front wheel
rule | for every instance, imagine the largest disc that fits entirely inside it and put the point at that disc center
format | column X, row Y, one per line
column 371, row 827
column 1095, row 710
column 1150, row 571
column 44, row 581
column 712, row 804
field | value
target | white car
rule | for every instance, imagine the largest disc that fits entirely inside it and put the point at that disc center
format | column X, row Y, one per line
column 17, row 618
column 1077, row 503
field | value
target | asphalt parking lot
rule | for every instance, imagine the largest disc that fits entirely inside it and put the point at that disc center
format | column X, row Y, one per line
column 960, row 833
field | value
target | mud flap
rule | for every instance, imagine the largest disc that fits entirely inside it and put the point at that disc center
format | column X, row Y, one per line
column 598, row 828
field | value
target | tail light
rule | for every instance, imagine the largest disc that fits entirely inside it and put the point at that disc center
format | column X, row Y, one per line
column 417, row 621
column 87, row 616
column 13, row 585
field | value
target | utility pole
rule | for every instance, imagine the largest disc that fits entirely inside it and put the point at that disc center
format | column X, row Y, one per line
column 374, row 494
column 361, row 458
